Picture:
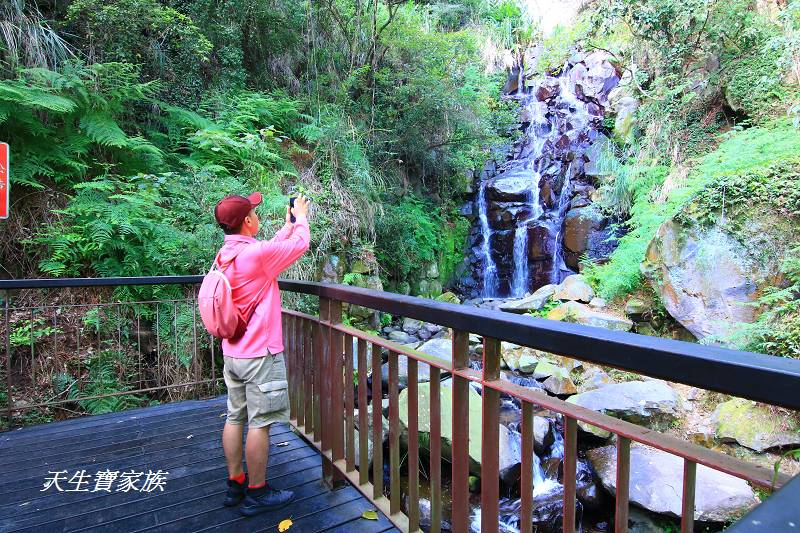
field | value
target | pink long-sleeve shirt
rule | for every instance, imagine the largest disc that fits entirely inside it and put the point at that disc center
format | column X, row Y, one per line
column 253, row 276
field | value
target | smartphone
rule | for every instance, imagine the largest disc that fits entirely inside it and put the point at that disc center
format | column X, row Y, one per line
column 291, row 205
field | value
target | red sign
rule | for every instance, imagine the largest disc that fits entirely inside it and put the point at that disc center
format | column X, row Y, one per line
column 5, row 198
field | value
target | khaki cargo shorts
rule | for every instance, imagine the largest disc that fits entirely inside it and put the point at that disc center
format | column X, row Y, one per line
column 257, row 390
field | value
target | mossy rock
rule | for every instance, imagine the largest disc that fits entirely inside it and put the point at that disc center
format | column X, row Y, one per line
column 754, row 426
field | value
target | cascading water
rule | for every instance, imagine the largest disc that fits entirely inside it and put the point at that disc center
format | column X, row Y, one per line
column 522, row 202
column 490, row 268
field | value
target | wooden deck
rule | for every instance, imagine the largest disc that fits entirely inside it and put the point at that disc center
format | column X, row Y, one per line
column 183, row 439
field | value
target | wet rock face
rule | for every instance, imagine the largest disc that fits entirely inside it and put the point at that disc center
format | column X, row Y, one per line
column 531, row 213
column 656, row 481
column 677, row 263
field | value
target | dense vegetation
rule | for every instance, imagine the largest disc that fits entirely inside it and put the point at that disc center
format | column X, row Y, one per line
column 129, row 119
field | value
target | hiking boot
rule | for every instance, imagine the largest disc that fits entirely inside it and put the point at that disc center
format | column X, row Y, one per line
column 269, row 500
column 236, row 492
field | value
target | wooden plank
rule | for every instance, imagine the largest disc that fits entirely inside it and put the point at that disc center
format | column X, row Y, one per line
column 58, row 505
column 106, row 510
column 336, row 516
column 309, row 370
column 180, row 454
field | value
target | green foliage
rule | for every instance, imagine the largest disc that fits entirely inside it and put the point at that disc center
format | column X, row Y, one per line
column 167, row 44
column 66, row 125
column 407, row 236
column 744, row 153
column 27, row 332
column 106, row 375
column 27, row 39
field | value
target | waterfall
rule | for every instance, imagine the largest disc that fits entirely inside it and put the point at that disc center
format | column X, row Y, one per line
column 521, row 247
column 490, row 268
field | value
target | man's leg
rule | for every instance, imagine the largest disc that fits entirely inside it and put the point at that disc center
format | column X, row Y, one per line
column 232, row 444
column 257, row 454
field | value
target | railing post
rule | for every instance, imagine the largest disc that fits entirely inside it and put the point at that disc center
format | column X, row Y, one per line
column 490, row 447
column 570, row 464
column 689, row 478
column 623, row 483
column 332, row 417
column 9, row 397
column 460, row 446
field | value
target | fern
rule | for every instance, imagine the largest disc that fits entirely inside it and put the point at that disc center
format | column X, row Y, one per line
column 103, row 130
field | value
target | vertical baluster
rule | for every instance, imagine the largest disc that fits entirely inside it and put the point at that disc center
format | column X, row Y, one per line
column 570, row 463
column 158, row 343
column 9, row 394
column 436, row 451
column 623, row 483
column 349, row 400
column 80, row 361
column 325, row 387
column 138, row 346
column 33, row 359
column 300, row 371
column 460, row 447
column 213, row 364
column 318, row 371
column 363, row 421
column 291, row 359
column 308, row 371
column 490, row 448
column 689, row 478
column 394, row 435
column 413, row 445
column 198, row 371
column 336, row 419
column 526, row 481
column 377, row 424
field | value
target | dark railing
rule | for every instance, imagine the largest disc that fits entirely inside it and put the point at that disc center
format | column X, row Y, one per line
column 326, row 387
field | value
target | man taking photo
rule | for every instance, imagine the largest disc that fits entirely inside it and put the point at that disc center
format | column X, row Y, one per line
column 255, row 371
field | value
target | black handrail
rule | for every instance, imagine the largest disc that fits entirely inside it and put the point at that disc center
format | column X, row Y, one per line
column 765, row 378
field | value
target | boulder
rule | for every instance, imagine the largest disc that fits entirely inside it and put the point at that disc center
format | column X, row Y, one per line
column 513, row 185
column 510, row 443
column 401, row 337
column 546, row 369
column 432, row 270
column 579, row 224
column 332, row 270
column 412, row 326
column 754, row 426
column 593, row 378
column 439, row 348
column 527, row 363
column 637, row 310
column 423, row 373
column 574, row 288
column 656, row 484
column 641, row 402
column 534, row 302
column 626, row 108
column 448, row 297
column 560, row 385
column 359, row 267
column 683, row 253
column 582, row 314
column 597, row 303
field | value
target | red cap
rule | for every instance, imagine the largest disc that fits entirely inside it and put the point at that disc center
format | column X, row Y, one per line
column 233, row 209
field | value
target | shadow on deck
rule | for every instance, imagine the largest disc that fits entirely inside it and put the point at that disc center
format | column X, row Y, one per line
column 181, row 438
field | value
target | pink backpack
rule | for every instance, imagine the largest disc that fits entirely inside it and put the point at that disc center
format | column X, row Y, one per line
column 220, row 315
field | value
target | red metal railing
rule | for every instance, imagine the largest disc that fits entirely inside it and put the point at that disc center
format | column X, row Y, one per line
column 324, row 395
column 323, row 405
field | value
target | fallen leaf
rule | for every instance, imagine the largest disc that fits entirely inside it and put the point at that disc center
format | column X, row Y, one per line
column 282, row 444
column 284, row 525
column 189, row 436
column 370, row 514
